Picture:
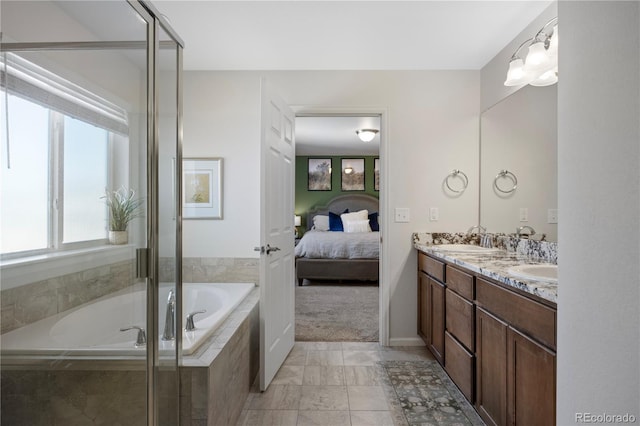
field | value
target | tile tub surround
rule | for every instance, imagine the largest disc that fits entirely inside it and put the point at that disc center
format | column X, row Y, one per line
column 32, row 302
column 492, row 265
column 215, row 269
column 216, row 379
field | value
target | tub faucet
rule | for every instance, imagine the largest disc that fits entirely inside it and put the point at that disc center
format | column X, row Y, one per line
column 170, row 317
column 141, row 339
column 522, row 228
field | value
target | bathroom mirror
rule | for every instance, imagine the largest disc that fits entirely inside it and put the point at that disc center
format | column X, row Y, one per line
column 518, row 163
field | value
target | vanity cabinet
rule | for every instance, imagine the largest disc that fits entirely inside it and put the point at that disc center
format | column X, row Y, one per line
column 431, row 306
column 515, row 357
column 460, row 331
column 497, row 344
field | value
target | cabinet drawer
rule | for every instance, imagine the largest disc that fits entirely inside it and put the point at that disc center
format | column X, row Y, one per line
column 460, row 282
column 533, row 318
column 460, row 318
column 459, row 365
column 431, row 266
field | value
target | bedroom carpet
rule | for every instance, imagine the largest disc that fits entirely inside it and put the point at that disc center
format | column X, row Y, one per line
column 337, row 312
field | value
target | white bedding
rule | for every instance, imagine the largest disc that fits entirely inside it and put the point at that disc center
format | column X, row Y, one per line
column 339, row 245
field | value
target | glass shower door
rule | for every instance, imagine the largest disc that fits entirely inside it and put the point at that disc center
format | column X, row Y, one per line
column 85, row 92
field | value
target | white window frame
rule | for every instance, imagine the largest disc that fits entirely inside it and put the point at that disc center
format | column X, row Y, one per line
column 64, row 98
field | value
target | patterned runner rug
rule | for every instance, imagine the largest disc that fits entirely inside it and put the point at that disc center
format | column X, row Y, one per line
column 426, row 395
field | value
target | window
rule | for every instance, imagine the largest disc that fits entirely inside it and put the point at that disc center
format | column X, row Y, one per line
column 25, row 193
column 58, row 141
column 52, row 184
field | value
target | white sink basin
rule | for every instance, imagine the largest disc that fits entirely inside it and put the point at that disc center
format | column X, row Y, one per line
column 542, row 272
column 463, row 248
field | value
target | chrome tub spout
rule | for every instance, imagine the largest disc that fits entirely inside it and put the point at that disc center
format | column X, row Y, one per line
column 170, row 317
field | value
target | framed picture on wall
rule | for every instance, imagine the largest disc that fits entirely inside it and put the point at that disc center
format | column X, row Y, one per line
column 352, row 171
column 376, row 174
column 319, row 174
column 202, row 188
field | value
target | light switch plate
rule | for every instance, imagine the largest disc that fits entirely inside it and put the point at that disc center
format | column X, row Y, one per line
column 402, row 214
column 434, row 214
column 552, row 216
column 524, row 214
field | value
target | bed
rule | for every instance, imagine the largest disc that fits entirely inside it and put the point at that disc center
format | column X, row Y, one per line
column 344, row 256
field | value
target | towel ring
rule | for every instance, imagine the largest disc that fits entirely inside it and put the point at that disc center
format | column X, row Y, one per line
column 454, row 174
column 506, row 174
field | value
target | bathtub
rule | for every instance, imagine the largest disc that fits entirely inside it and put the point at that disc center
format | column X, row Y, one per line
column 93, row 329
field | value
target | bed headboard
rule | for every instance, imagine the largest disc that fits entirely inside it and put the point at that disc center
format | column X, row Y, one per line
column 353, row 202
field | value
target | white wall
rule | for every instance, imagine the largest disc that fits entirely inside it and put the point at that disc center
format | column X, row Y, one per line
column 599, row 193
column 432, row 129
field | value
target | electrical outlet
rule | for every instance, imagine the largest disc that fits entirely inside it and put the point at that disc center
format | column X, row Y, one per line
column 552, row 216
column 524, row 214
column 402, row 214
column 433, row 214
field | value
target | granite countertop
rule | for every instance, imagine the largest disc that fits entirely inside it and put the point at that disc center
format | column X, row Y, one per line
column 493, row 265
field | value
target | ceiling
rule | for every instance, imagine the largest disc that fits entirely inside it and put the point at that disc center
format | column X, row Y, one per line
column 335, row 136
column 344, row 35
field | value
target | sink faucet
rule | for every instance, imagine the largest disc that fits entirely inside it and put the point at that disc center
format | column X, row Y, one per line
column 170, row 317
column 522, row 228
column 481, row 229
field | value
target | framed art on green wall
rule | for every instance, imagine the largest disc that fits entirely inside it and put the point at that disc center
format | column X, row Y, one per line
column 352, row 172
column 319, row 174
column 376, row 174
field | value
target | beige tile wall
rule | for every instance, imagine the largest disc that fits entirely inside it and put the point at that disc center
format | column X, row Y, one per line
column 29, row 303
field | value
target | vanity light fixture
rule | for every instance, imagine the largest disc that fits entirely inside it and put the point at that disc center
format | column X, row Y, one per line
column 540, row 66
column 366, row 135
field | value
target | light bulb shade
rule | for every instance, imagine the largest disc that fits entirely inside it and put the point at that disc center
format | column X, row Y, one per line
column 546, row 79
column 516, row 75
column 539, row 60
column 297, row 220
column 366, row 135
column 348, row 170
column 553, row 43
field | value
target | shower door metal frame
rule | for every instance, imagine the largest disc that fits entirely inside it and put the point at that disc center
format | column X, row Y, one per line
column 144, row 7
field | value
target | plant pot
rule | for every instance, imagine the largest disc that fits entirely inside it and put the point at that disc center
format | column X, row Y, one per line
column 118, row 237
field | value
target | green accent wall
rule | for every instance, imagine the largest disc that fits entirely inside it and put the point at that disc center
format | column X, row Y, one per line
column 306, row 199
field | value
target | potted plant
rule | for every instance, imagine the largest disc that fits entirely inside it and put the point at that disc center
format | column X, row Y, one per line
column 123, row 208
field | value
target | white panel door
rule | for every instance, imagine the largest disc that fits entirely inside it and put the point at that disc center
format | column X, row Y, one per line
column 277, row 284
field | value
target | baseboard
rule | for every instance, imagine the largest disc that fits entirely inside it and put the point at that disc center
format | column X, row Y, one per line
column 406, row 341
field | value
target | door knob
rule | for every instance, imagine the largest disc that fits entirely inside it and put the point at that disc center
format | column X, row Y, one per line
column 270, row 249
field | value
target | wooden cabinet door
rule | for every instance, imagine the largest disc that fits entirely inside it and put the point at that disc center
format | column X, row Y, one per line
column 531, row 381
column 424, row 302
column 491, row 368
column 437, row 319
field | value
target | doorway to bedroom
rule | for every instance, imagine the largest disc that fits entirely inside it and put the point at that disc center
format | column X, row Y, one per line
column 337, row 206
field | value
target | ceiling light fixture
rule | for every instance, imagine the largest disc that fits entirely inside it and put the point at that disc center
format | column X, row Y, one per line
column 348, row 170
column 366, row 135
column 540, row 66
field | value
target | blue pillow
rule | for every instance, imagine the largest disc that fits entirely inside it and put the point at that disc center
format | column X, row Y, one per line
column 335, row 223
column 373, row 222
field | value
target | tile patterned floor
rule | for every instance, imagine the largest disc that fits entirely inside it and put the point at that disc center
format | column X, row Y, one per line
column 356, row 384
